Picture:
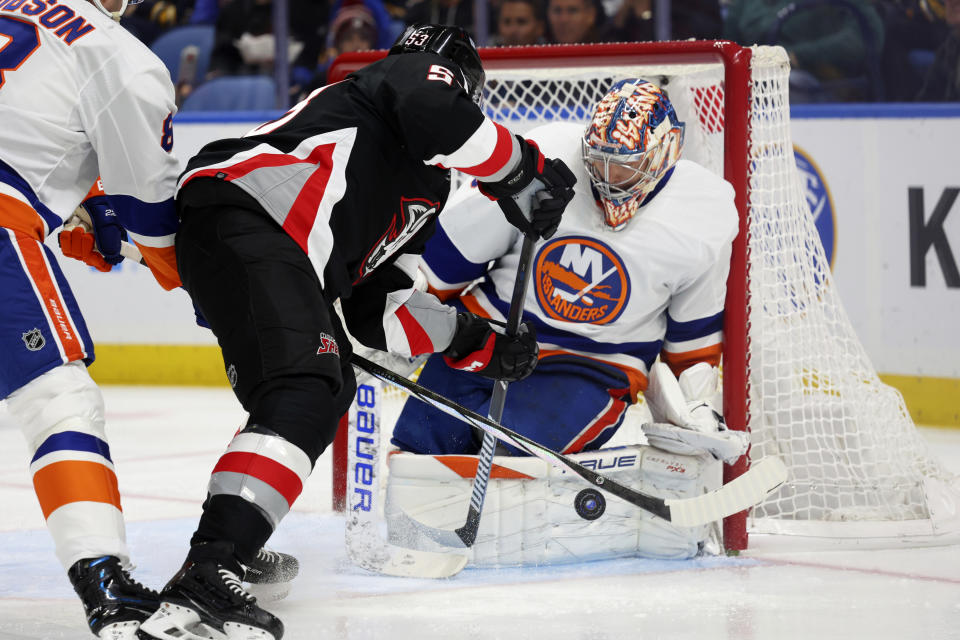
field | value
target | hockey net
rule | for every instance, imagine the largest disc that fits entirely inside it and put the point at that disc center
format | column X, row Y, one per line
column 795, row 373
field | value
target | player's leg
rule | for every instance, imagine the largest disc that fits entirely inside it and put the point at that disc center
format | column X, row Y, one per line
column 258, row 292
column 569, row 404
column 426, row 430
column 43, row 342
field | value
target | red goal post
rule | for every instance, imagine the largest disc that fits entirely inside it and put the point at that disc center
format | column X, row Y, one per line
column 794, row 372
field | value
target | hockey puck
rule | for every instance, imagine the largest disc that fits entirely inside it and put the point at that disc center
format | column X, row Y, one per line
column 589, row 504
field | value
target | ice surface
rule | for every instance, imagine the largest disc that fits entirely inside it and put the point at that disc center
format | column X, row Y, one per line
column 165, row 441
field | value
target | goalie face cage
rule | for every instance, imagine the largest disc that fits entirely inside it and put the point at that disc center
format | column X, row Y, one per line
column 794, row 372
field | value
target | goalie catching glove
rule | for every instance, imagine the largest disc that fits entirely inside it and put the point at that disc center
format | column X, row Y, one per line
column 685, row 420
column 477, row 346
column 534, row 195
column 93, row 234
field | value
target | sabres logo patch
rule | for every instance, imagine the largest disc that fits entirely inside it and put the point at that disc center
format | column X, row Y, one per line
column 580, row 280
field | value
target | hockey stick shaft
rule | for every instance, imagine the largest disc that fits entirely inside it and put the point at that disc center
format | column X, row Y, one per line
column 127, row 249
column 478, row 491
column 744, row 492
column 649, row 503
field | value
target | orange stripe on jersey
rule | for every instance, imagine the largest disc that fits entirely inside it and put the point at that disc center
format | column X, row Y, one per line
column 43, row 280
column 680, row 362
column 19, row 216
column 70, row 481
column 470, row 302
column 637, row 380
column 95, row 191
column 443, row 294
column 163, row 263
column 610, row 415
column 466, row 467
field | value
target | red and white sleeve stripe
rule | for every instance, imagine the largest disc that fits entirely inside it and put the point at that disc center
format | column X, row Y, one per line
column 489, row 154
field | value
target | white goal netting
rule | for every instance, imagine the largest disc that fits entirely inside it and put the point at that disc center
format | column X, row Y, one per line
column 858, row 467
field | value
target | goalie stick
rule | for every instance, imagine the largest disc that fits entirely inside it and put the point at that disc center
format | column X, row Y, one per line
column 367, row 547
column 744, row 492
column 466, row 535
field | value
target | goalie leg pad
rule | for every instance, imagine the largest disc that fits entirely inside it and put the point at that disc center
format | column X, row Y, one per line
column 537, row 515
column 61, row 416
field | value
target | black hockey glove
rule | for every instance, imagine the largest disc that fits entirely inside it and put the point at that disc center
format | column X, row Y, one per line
column 477, row 347
column 535, row 194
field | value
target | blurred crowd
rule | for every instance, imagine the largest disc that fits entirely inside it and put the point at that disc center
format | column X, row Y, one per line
column 840, row 50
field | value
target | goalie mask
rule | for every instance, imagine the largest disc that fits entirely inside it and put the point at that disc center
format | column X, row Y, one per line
column 634, row 138
column 452, row 43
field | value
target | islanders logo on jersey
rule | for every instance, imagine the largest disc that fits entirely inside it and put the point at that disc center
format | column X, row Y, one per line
column 580, row 279
column 817, row 195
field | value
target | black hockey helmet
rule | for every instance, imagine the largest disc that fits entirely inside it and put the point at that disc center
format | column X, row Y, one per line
column 452, row 43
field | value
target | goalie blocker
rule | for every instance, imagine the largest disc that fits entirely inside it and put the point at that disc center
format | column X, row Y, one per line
column 536, row 514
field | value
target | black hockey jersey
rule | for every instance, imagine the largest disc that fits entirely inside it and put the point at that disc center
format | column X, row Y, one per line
column 356, row 174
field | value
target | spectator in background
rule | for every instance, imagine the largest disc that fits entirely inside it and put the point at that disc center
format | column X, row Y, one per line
column 205, row 12
column 575, row 21
column 942, row 83
column 699, row 19
column 825, row 43
column 519, row 22
column 149, row 19
column 388, row 27
column 244, row 43
column 913, row 29
column 353, row 28
column 458, row 12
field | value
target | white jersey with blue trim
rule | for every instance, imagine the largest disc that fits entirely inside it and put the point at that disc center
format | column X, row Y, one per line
column 81, row 97
column 620, row 297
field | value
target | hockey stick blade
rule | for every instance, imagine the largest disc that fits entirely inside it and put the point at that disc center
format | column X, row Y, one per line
column 707, row 508
column 742, row 493
column 410, row 563
column 367, row 550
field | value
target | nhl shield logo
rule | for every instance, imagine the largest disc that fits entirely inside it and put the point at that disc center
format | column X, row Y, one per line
column 34, row 340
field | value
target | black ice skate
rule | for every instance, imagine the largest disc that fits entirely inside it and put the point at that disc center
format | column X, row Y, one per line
column 206, row 600
column 270, row 567
column 269, row 575
column 115, row 603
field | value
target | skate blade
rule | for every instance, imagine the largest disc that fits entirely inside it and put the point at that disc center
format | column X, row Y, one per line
column 269, row 592
column 120, row 631
column 174, row 622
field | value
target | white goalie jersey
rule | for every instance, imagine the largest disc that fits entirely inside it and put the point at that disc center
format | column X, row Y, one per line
column 619, row 297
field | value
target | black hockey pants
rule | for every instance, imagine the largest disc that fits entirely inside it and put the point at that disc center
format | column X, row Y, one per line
column 262, row 299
